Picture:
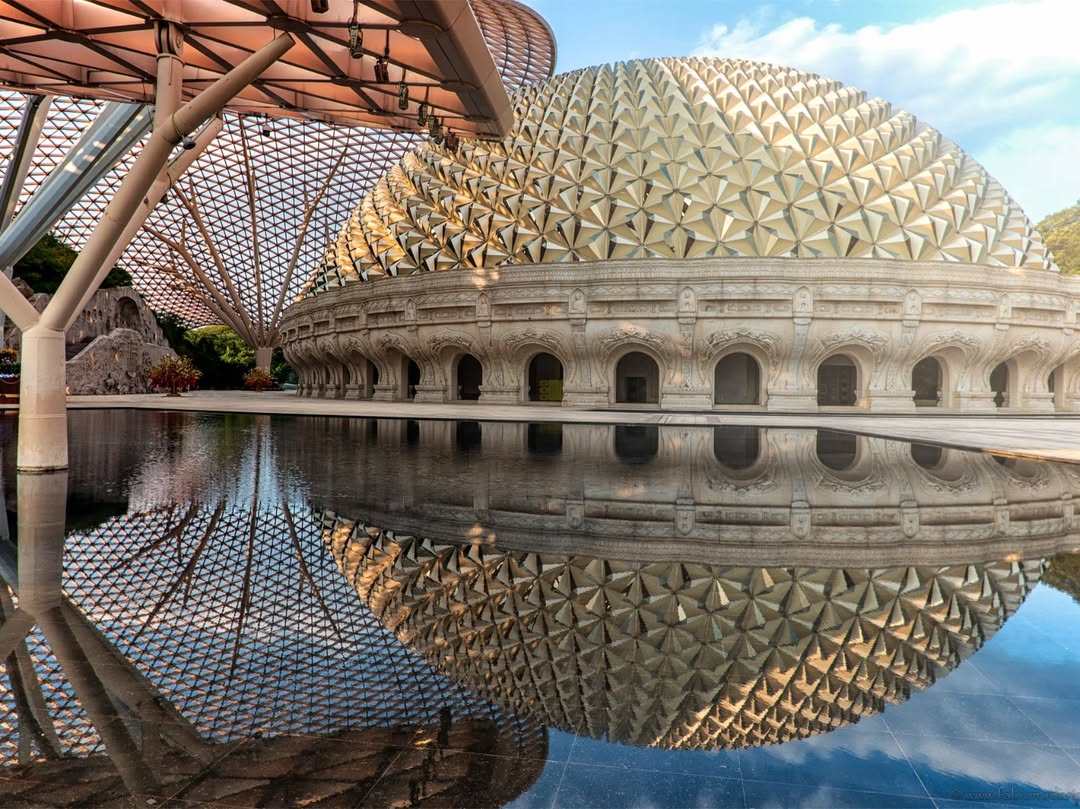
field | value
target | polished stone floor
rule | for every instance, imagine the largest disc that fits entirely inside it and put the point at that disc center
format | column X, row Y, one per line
column 1055, row 437
column 231, row 610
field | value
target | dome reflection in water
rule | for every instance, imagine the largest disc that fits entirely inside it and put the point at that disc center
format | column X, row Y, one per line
column 267, row 610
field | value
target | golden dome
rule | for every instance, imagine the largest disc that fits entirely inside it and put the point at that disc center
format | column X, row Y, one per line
column 686, row 158
column 677, row 654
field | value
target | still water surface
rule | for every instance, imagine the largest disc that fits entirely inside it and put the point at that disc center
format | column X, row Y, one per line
column 257, row 611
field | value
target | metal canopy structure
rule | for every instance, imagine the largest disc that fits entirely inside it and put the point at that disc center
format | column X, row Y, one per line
column 84, row 48
column 194, row 58
column 267, row 192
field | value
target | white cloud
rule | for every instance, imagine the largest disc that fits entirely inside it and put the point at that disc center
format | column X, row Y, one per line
column 1003, row 80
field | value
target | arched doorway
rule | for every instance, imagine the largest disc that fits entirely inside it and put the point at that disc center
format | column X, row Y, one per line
column 838, row 382
column 470, row 376
column 637, row 379
column 372, row 379
column 637, row 443
column 410, row 375
column 545, row 378
column 999, row 385
column 926, row 381
column 837, row 451
column 127, row 314
column 737, row 380
column 736, row 447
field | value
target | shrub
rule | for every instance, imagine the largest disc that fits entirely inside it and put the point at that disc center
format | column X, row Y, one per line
column 173, row 375
column 258, row 379
column 9, row 362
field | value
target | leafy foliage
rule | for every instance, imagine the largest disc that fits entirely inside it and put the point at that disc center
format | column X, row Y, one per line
column 258, row 379
column 1064, row 574
column 1061, row 232
column 174, row 374
column 219, row 353
column 48, row 261
column 9, row 362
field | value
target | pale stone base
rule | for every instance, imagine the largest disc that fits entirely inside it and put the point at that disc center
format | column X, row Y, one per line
column 847, row 324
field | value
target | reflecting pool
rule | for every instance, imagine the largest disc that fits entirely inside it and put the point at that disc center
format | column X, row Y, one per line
column 264, row 611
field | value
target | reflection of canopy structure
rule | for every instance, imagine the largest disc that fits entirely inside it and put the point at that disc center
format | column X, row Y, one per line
column 186, row 631
column 675, row 654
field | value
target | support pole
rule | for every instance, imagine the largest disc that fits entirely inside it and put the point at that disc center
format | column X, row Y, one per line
column 263, row 355
column 42, row 404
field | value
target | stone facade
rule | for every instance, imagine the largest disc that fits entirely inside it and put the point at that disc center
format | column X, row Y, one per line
column 989, row 339
column 112, row 345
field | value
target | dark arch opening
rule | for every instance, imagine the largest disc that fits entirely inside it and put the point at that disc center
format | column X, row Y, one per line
column 837, row 382
column 637, row 379
column 926, row 382
column 999, row 384
column 545, row 378
column 636, row 443
column 412, row 378
column 545, row 438
column 372, row 378
column 127, row 314
column 736, row 447
column 837, row 450
column 470, row 376
column 737, row 380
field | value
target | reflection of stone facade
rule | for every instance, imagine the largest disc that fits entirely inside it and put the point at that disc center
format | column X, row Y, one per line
column 785, row 496
column 687, row 587
column 689, row 209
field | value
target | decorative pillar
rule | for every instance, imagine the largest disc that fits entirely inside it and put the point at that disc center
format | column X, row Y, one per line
column 785, row 393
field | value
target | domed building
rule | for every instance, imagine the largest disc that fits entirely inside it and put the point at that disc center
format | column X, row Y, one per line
column 692, row 233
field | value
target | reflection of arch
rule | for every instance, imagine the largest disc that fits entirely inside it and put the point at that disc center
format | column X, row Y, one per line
column 468, row 377
column 737, row 380
column 838, row 382
column 468, row 435
column 544, row 438
column 636, row 443
column 1001, row 383
column 736, row 447
column 637, row 379
column 928, row 456
column 927, row 382
column 544, row 378
column 837, row 451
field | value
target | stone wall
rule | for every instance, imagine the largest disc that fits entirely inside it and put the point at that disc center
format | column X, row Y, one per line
column 117, row 362
column 789, row 316
column 111, row 346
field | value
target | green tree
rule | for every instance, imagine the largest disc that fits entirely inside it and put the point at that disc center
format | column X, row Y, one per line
column 1061, row 231
column 48, row 261
column 1064, row 574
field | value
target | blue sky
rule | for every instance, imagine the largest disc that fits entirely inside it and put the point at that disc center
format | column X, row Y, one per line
column 1000, row 77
